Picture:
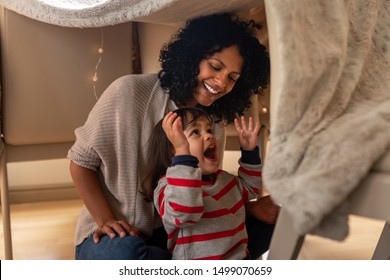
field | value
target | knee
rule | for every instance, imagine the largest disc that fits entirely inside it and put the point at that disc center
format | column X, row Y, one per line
column 118, row 248
column 131, row 248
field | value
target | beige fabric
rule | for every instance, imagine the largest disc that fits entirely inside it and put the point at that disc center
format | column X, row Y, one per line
column 95, row 13
column 330, row 99
column 104, row 144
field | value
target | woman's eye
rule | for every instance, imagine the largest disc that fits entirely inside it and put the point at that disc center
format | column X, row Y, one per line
column 233, row 79
column 214, row 67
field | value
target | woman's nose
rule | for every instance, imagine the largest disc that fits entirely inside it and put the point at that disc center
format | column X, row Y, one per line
column 221, row 79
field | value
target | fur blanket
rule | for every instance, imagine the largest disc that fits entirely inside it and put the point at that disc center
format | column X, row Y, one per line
column 97, row 13
column 330, row 105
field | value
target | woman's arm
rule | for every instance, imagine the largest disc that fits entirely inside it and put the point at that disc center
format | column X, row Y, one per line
column 263, row 209
column 88, row 186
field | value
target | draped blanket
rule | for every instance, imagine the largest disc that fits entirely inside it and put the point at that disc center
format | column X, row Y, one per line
column 330, row 105
column 97, row 13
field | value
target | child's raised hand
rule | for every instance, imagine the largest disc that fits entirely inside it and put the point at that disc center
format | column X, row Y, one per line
column 173, row 128
column 247, row 134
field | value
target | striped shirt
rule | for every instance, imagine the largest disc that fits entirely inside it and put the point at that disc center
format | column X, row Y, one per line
column 205, row 217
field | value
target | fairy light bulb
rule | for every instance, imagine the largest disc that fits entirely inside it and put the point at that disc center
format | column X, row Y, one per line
column 100, row 53
column 264, row 110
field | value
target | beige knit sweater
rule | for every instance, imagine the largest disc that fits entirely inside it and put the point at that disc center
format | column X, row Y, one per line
column 113, row 142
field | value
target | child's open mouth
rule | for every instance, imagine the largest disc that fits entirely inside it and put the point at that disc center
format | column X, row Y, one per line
column 211, row 152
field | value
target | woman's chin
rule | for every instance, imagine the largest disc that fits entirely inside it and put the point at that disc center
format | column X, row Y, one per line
column 205, row 98
column 205, row 104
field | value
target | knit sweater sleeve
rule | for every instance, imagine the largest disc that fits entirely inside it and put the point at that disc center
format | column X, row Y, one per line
column 115, row 124
column 98, row 139
column 179, row 197
column 112, row 142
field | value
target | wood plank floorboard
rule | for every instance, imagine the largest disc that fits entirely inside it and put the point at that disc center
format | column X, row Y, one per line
column 45, row 231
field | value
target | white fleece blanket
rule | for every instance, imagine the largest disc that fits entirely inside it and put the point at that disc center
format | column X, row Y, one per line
column 96, row 13
column 330, row 105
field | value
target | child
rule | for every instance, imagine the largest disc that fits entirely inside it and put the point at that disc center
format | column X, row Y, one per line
column 201, row 206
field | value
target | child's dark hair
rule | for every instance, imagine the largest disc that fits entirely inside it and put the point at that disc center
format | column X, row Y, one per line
column 201, row 38
column 160, row 149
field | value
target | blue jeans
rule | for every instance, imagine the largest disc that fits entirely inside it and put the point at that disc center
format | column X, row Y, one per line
column 135, row 248
column 259, row 236
column 119, row 248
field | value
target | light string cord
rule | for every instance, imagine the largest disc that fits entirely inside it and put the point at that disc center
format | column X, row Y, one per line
column 100, row 52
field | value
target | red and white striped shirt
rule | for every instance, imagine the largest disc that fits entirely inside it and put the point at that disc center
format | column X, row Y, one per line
column 206, row 219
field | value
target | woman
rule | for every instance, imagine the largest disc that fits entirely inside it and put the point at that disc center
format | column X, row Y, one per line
column 214, row 62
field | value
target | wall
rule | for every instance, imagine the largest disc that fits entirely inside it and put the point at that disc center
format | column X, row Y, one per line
column 48, row 180
column 47, row 91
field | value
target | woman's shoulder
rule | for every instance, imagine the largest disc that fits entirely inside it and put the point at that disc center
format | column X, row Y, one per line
column 130, row 87
column 137, row 80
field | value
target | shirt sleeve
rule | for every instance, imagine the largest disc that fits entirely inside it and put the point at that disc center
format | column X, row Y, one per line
column 249, row 174
column 96, row 139
column 90, row 137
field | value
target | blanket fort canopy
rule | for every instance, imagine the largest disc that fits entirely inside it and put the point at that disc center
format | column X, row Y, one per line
column 330, row 105
column 98, row 13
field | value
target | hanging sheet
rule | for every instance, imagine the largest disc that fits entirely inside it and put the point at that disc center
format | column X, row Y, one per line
column 97, row 13
column 330, row 105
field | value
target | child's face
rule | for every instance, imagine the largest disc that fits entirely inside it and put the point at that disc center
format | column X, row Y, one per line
column 203, row 145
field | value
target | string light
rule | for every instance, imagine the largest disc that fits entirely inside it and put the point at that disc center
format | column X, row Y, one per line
column 264, row 110
column 100, row 52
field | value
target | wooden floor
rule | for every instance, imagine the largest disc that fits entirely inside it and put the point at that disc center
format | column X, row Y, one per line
column 44, row 231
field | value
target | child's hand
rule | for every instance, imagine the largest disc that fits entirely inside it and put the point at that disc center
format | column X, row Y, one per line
column 173, row 128
column 247, row 134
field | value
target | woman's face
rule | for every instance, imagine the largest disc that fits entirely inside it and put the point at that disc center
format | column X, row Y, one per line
column 217, row 76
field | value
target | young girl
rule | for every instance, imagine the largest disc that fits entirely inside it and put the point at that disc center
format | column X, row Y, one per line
column 201, row 206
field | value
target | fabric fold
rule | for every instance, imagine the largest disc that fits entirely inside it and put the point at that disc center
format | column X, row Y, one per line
column 330, row 106
column 98, row 13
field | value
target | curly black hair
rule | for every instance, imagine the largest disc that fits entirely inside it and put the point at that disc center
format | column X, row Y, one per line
column 199, row 39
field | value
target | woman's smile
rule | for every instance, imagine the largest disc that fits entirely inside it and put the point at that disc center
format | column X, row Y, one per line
column 218, row 75
column 212, row 90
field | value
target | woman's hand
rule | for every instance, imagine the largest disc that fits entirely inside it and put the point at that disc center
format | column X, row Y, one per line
column 114, row 228
column 173, row 128
column 263, row 209
column 88, row 186
column 247, row 134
